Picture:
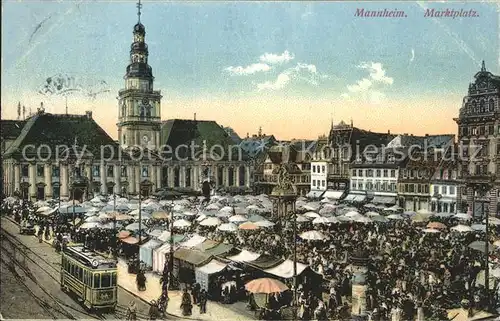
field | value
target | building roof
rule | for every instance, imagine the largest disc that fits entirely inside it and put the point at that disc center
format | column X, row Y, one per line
column 256, row 146
column 63, row 130
column 385, row 157
column 426, row 141
column 177, row 133
column 11, row 129
column 234, row 136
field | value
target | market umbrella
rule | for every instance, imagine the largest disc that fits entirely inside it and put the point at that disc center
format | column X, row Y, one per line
column 302, row 219
column 478, row 227
column 437, row 226
column 248, row 226
column 160, row 215
column 370, row 205
column 90, row 225
column 409, row 213
column 379, row 218
column 227, row 227
column 123, row 234
column 481, row 246
column 237, row 219
column 210, row 221
column 92, row 219
column 430, row 230
column 462, row 228
column 43, row 209
column 188, row 213
column 443, row 214
column 493, row 221
column 256, row 218
column 122, row 217
column 264, row 223
column 352, row 214
column 424, row 211
column 266, row 286
column 181, row 223
column 321, row 220
column 313, row 235
column 497, row 243
column 327, row 210
column 311, row 214
column 394, row 217
column 462, row 216
column 122, row 207
column 363, row 219
column 372, row 214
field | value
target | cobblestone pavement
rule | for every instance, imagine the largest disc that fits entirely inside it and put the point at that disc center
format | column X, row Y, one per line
column 17, row 302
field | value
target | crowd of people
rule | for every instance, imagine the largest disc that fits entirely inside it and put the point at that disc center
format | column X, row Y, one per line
column 410, row 272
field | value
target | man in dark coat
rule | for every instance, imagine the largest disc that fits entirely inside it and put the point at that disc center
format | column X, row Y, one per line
column 203, row 301
column 196, row 293
column 186, row 305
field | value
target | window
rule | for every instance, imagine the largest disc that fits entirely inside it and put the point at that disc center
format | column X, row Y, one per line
column 105, row 280
column 110, row 171
column 96, row 171
column 393, row 173
column 436, row 189
column 145, row 171
column 113, row 279
column 124, row 171
column 444, row 190
column 419, row 188
column 360, row 185
column 353, row 172
column 97, row 281
column 378, row 172
column 491, row 106
column 393, row 187
column 360, row 172
column 24, row 170
column 412, row 188
column 369, row 173
column 323, row 169
column 56, row 171
column 491, row 130
column 323, row 183
column 314, row 182
column 314, row 168
column 426, row 189
column 39, row 170
column 386, row 172
column 452, row 190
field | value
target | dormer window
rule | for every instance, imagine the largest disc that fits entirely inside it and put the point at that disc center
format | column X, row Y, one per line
column 390, row 158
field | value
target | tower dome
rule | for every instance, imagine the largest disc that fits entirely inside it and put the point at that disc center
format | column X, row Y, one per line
column 139, row 28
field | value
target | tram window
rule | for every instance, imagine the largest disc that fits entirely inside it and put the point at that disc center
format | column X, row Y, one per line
column 72, row 269
column 97, row 280
column 113, row 279
column 80, row 274
column 105, row 280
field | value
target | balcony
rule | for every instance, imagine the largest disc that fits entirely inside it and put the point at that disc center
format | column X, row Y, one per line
column 336, row 176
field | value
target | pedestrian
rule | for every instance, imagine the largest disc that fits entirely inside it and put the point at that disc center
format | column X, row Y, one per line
column 203, row 301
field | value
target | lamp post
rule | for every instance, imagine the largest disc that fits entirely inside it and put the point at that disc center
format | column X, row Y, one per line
column 169, row 208
column 284, row 195
column 482, row 187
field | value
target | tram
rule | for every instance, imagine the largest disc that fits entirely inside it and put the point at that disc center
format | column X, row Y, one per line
column 90, row 277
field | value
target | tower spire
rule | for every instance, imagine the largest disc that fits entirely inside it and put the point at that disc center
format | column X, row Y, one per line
column 483, row 67
column 139, row 6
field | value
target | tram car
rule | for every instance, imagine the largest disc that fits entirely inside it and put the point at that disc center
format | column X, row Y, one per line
column 89, row 277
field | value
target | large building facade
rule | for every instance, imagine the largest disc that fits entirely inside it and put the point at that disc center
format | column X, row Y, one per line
column 71, row 156
column 478, row 131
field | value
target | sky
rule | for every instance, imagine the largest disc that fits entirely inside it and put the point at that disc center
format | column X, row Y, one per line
column 289, row 67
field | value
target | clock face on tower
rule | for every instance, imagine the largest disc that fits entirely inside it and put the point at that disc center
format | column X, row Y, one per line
column 145, row 138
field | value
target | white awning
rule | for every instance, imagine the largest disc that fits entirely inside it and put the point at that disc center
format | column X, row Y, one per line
column 350, row 197
column 360, row 198
column 333, row 195
column 314, row 194
column 193, row 241
column 384, row 200
column 244, row 256
column 211, row 267
column 285, row 269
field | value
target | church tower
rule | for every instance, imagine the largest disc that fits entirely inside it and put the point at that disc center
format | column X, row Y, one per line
column 139, row 106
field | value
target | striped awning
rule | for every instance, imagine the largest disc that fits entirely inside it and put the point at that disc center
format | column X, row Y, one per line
column 350, row 197
column 333, row 195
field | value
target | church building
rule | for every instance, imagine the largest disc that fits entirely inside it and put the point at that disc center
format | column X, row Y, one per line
column 71, row 156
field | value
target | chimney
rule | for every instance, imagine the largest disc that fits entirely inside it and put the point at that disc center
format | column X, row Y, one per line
column 388, row 132
column 88, row 113
column 426, row 135
column 195, row 116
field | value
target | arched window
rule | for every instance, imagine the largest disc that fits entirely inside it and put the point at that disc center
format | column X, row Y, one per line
column 482, row 106
column 491, row 105
column 220, row 176
column 142, row 112
column 148, row 112
column 124, row 109
column 187, row 182
column 242, row 176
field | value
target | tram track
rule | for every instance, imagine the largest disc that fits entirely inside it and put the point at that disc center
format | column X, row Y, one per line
column 35, row 258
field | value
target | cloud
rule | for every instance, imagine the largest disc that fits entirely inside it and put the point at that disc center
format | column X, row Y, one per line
column 377, row 73
column 275, row 59
column 412, row 55
column 248, row 70
column 369, row 88
column 307, row 73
